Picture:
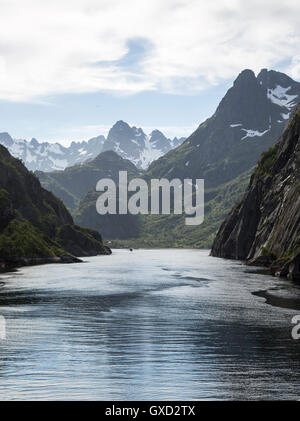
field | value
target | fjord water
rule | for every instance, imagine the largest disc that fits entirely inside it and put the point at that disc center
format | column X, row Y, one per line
column 148, row 324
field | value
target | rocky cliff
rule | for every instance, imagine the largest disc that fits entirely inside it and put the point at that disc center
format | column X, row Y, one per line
column 264, row 228
column 34, row 224
column 249, row 119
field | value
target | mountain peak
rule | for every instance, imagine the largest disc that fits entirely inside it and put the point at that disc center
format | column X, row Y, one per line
column 120, row 129
column 240, row 101
column 34, row 142
column 245, row 76
column 120, row 124
column 6, row 139
column 262, row 72
column 107, row 155
column 271, row 78
column 157, row 135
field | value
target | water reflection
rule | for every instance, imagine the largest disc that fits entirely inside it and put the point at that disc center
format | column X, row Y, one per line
column 171, row 324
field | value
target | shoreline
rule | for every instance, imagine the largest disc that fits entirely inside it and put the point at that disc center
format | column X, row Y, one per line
column 290, row 303
column 10, row 265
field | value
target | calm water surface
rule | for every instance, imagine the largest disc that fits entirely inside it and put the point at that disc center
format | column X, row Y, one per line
column 151, row 324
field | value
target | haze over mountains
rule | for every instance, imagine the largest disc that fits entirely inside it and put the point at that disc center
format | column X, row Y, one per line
column 129, row 142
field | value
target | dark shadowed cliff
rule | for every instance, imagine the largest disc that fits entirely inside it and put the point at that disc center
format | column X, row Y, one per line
column 264, row 228
column 33, row 222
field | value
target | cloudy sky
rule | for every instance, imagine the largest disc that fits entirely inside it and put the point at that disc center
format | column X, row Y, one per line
column 70, row 68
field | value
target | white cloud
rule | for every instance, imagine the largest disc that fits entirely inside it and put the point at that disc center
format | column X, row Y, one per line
column 52, row 47
column 294, row 68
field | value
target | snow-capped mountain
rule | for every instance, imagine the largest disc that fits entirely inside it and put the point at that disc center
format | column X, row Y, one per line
column 276, row 95
column 51, row 156
column 133, row 144
column 129, row 142
column 249, row 120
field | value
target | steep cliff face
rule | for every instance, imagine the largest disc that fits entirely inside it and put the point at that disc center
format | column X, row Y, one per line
column 264, row 228
column 33, row 222
column 223, row 150
column 249, row 119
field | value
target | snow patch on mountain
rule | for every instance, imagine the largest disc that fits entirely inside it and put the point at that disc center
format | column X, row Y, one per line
column 254, row 133
column 280, row 97
column 251, row 132
column 149, row 154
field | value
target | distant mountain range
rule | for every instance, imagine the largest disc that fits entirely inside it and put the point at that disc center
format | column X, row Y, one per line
column 129, row 142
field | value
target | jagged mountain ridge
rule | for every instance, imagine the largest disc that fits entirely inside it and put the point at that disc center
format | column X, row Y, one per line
column 133, row 144
column 51, row 156
column 248, row 120
column 264, row 228
column 129, row 142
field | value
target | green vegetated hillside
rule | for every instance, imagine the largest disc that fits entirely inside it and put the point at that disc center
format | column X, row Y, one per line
column 111, row 226
column 33, row 222
column 79, row 184
column 171, row 231
column 149, row 230
column 74, row 183
column 264, row 228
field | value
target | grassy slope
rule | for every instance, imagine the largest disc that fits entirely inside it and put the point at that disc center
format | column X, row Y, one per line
column 171, row 231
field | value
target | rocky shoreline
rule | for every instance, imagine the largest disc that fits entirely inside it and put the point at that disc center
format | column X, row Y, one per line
column 10, row 264
column 289, row 269
column 7, row 265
